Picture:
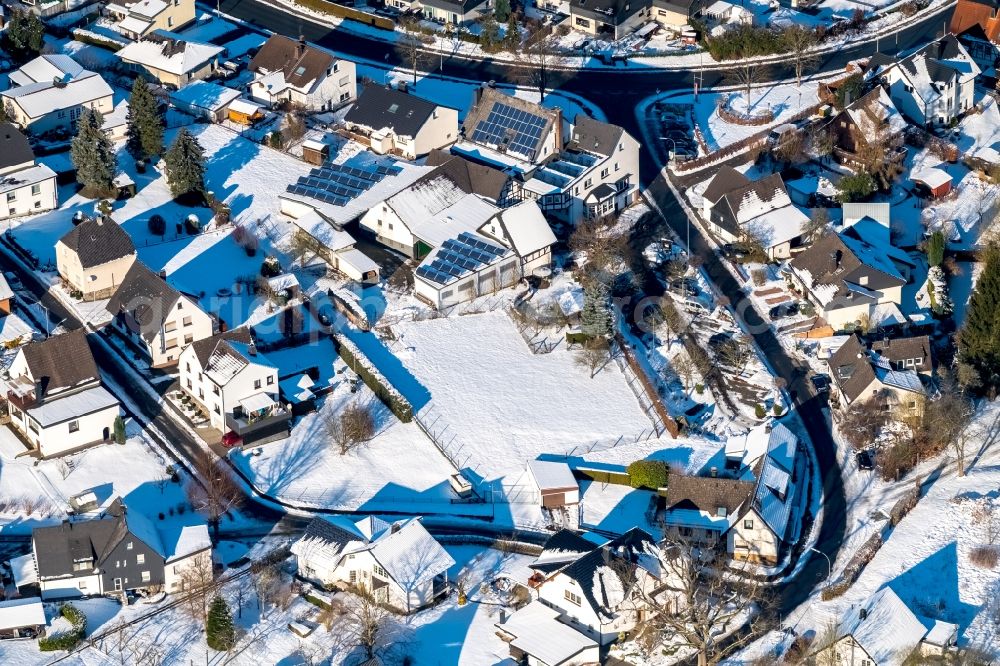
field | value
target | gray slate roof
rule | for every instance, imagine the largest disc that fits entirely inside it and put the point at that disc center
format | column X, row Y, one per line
column 470, row 176
column 143, row 300
column 707, row 493
column 724, row 181
column 379, row 107
column 98, row 241
column 61, row 362
column 203, row 349
column 14, row 147
column 594, row 136
column 852, row 369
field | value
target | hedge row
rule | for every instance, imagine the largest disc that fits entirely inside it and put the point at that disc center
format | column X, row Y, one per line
column 92, row 38
column 68, row 640
column 602, row 476
column 376, row 381
column 341, row 11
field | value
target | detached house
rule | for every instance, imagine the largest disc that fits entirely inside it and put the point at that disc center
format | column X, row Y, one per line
column 860, row 375
column 755, row 502
column 399, row 563
column 601, row 590
column 455, row 12
column 933, row 86
column 736, row 207
column 55, row 396
column 394, row 121
column 26, row 187
column 977, row 24
column 94, row 257
column 138, row 19
column 884, row 631
column 607, row 19
column 155, row 318
column 236, row 385
column 118, row 552
column 288, row 70
column 854, row 278
column 871, row 120
column 171, row 59
column 51, row 92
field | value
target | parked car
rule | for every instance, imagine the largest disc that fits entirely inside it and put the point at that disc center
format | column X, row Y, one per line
column 866, row 461
column 784, row 310
column 231, row 440
column 821, row 383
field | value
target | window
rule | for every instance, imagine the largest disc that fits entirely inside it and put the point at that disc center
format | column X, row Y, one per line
column 118, row 584
column 189, row 367
column 201, row 394
column 270, row 380
column 353, row 577
column 129, row 545
column 189, row 338
column 82, row 585
column 748, row 524
column 256, row 383
column 180, row 305
column 572, row 597
column 145, row 577
column 604, row 172
column 217, row 410
column 140, row 558
column 189, row 383
column 582, row 22
column 186, row 321
column 170, row 344
column 11, row 196
column 36, row 189
column 74, row 426
column 215, row 390
column 170, row 21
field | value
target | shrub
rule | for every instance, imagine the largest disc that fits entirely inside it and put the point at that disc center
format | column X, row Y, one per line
column 778, row 409
column 855, row 187
column 985, row 557
column 651, row 474
column 700, row 388
column 759, row 410
column 68, row 640
column 157, row 225
column 270, row 267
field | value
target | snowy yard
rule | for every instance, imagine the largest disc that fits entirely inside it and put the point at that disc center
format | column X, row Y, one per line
column 504, row 405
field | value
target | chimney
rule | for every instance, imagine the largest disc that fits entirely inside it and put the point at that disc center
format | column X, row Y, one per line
column 394, row 528
column 834, row 261
column 252, row 348
column 163, row 274
column 559, row 130
column 714, row 472
column 300, row 48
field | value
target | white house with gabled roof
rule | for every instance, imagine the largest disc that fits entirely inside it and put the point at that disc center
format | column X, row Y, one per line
column 399, row 563
column 51, row 92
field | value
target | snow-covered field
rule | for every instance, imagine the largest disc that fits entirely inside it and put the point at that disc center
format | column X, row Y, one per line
column 504, row 405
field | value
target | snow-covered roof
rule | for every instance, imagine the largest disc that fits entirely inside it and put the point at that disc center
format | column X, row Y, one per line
column 312, row 144
column 357, row 259
column 409, row 554
column 886, row 315
column 167, row 52
column 245, row 107
column 74, row 405
column 331, row 236
column 942, row 634
column 30, row 176
column 117, row 118
column 932, row 177
column 538, row 632
column 23, row 569
column 39, row 99
column 26, row 612
column 148, row 8
column 283, row 282
column 5, row 291
column 427, row 198
column 45, row 69
column 571, row 301
column 297, row 388
column 885, row 627
column 134, row 24
column 551, row 475
column 774, row 492
column 778, row 226
column 466, row 214
column 527, row 228
column 876, row 113
column 204, row 95
column 185, row 541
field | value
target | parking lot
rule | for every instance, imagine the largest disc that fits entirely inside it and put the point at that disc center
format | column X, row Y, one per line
column 676, row 128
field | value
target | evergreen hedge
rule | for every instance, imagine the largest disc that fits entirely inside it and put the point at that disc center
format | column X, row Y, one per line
column 650, row 474
column 376, row 381
column 68, row 640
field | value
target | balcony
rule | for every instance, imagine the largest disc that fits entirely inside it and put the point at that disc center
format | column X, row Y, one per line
column 259, row 419
column 21, row 393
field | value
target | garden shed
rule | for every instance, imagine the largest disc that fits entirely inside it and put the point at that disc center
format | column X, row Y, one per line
column 934, row 182
column 557, row 487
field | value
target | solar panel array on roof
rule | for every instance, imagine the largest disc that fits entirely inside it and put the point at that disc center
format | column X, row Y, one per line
column 338, row 184
column 517, row 130
column 458, row 257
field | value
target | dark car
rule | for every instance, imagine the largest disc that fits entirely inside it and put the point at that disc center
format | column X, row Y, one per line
column 866, row 461
column 821, row 383
column 784, row 310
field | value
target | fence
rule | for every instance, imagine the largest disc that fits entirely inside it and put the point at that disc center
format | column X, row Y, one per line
column 645, row 392
column 341, row 11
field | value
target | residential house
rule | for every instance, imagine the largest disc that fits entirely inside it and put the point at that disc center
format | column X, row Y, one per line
column 934, row 85
column 137, row 20
column 854, row 277
column 602, row 590
column 171, row 59
column 51, row 92
column 236, row 386
column 978, row 28
column 94, row 256
column 203, row 99
column 455, row 12
column 590, row 172
column 861, row 375
column 400, row 563
column 523, row 228
column 22, row 618
column 736, row 207
column 394, row 121
column 872, row 120
column 27, row 187
column 755, row 502
column 913, row 353
column 292, row 71
column 607, row 19
column 674, row 14
column 536, row 635
column 55, row 397
column 120, row 551
column 884, row 631
column 464, row 267
column 155, row 318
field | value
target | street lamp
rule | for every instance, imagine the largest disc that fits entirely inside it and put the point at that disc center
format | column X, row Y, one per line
column 829, row 564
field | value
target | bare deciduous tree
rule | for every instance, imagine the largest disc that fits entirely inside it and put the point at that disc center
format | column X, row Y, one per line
column 604, row 250
column 746, row 75
column 352, row 427
column 685, row 370
column 368, row 622
column 800, row 41
column 594, row 353
column 411, row 47
column 197, row 579
column 946, row 420
column 735, row 352
column 213, row 492
column 125, row 645
column 265, row 577
column 540, row 64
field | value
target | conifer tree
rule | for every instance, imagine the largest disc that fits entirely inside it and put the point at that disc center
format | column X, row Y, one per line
column 220, row 633
column 144, row 132
column 979, row 341
column 501, row 9
column 185, row 165
column 24, row 36
column 595, row 320
column 93, row 155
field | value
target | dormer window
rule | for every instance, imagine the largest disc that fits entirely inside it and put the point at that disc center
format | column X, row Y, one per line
column 721, row 511
column 864, row 280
